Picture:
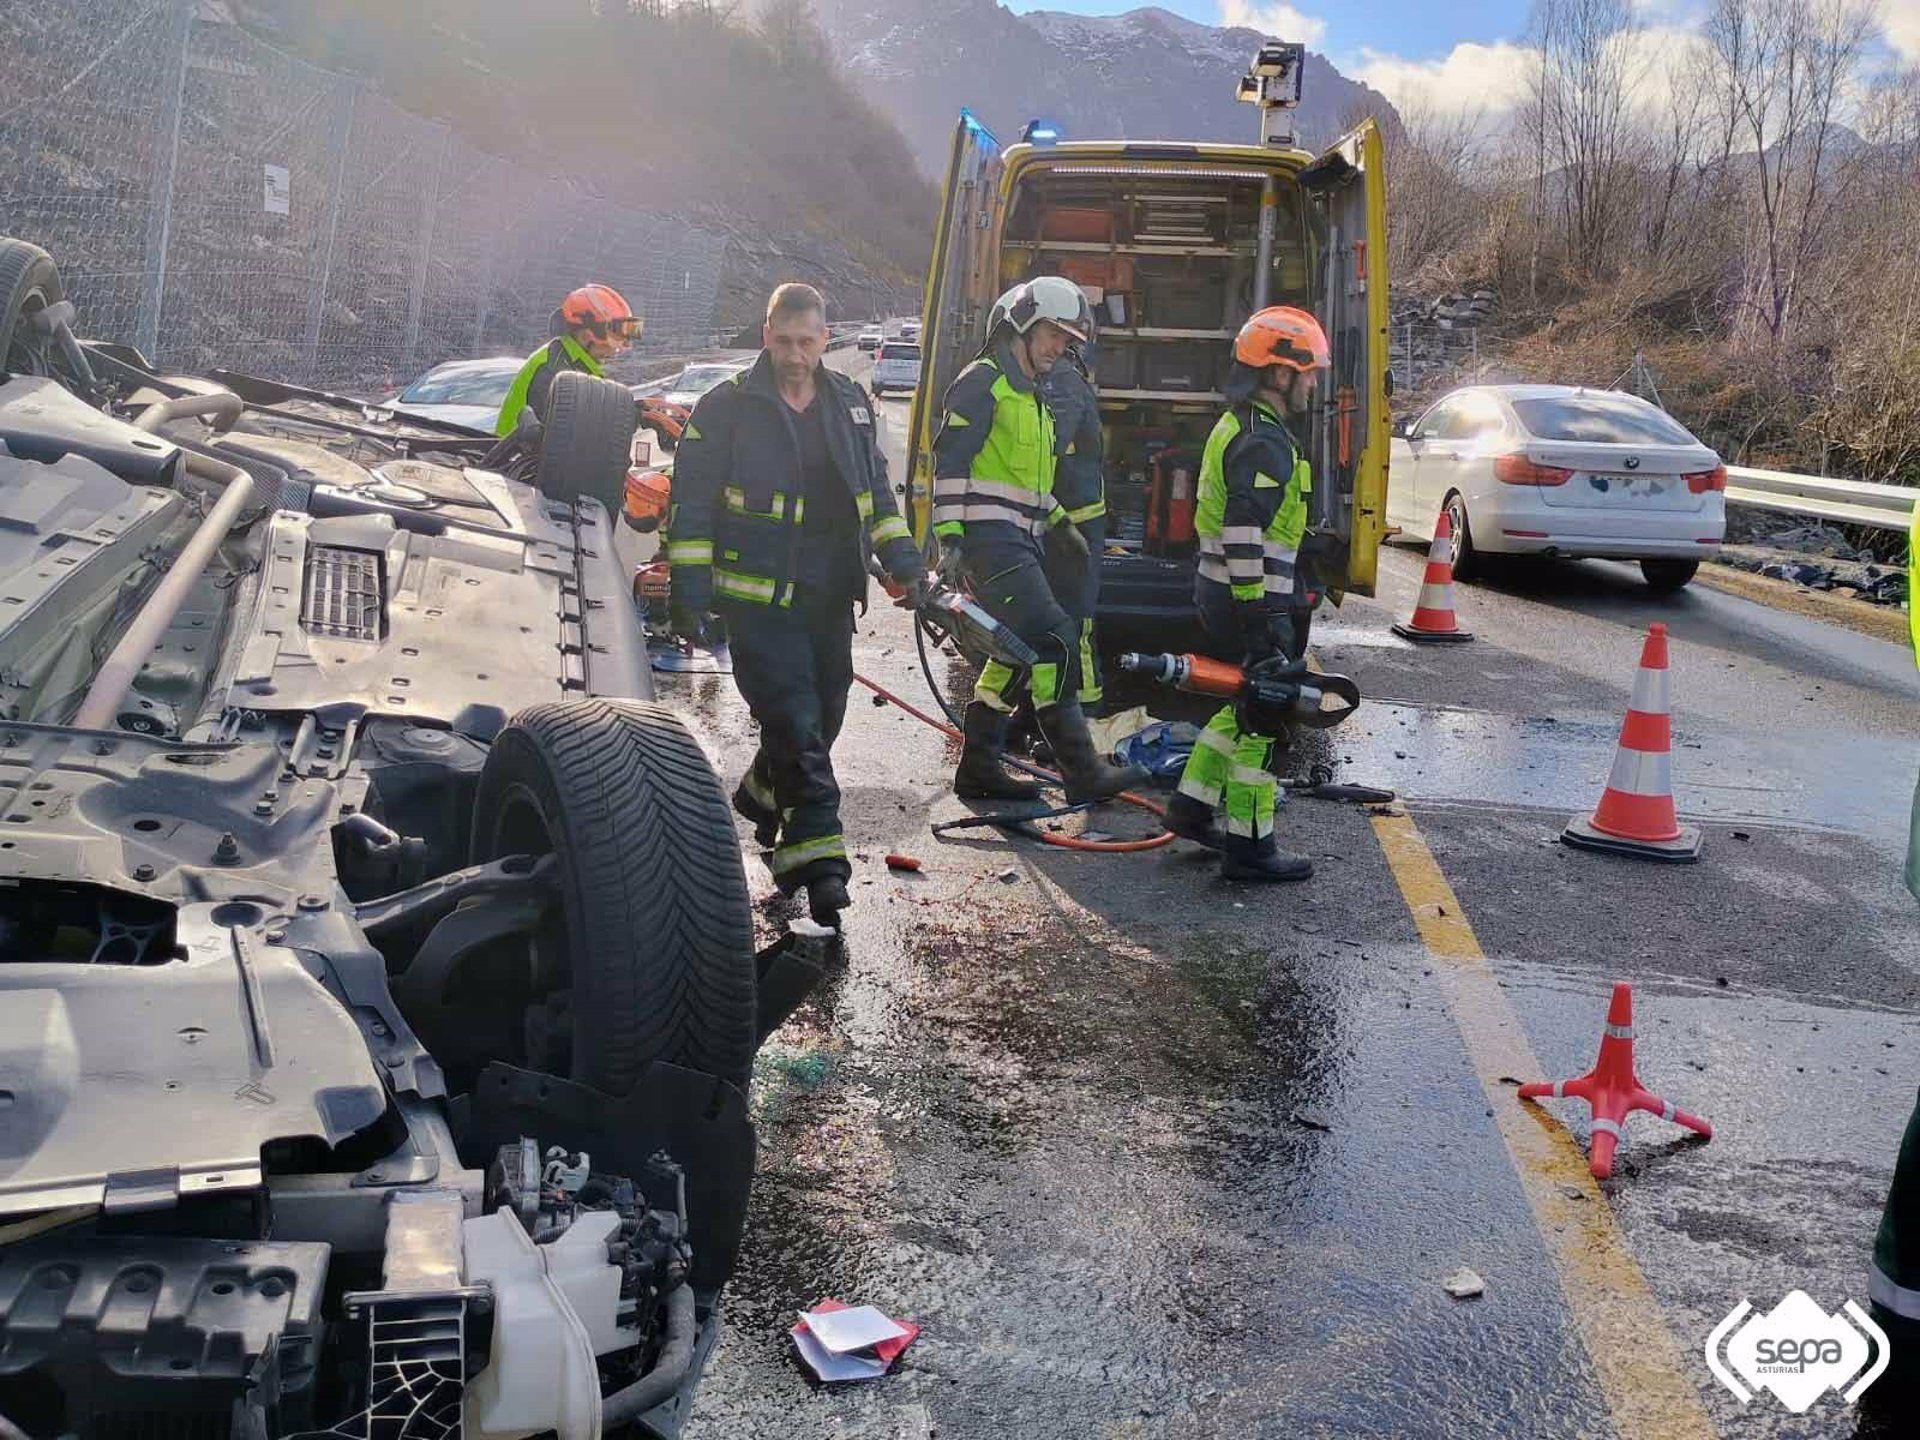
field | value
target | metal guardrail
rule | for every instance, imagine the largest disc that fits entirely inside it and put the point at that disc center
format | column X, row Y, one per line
column 1823, row 497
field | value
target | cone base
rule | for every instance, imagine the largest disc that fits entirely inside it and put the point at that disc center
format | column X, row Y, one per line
column 1681, row 851
column 1408, row 632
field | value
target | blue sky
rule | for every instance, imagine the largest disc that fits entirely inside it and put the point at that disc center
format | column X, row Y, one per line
column 1413, row 29
column 1466, row 58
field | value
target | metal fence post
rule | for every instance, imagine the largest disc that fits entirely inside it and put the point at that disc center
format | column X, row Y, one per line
column 317, row 301
column 153, row 289
column 423, row 250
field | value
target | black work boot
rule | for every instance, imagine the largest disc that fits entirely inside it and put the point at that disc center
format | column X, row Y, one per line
column 1088, row 774
column 979, row 776
column 1191, row 820
column 826, row 898
column 1261, row 862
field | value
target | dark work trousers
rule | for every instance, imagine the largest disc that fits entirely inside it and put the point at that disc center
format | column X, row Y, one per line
column 793, row 667
column 1076, row 585
column 1009, row 580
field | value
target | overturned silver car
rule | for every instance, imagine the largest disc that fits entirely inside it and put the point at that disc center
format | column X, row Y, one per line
column 377, row 991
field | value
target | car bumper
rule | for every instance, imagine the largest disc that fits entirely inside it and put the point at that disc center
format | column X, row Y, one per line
column 1538, row 529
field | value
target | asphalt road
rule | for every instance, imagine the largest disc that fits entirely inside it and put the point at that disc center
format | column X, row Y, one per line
column 1149, row 1155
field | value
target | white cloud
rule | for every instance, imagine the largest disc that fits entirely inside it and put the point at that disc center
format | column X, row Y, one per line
column 1492, row 80
column 1489, row 79
column 1900, row 22
column 1278, row 20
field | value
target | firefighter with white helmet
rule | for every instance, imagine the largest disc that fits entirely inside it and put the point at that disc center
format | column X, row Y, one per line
column 993, row 504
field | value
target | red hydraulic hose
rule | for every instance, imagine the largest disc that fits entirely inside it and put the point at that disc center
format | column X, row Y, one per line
column 1065, row 842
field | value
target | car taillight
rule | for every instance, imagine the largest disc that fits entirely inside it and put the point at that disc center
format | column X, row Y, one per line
column 1702, row 482
column 1519, row 470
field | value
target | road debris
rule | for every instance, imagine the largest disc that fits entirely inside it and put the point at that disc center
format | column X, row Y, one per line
column 1464, row 1284
column 903, row 862
column 840, row 1342
column 1311, row 1119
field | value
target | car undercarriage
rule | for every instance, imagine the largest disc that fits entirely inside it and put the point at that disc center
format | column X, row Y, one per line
column 379, row 993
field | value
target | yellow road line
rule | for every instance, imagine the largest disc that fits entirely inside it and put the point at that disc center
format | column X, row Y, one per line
column 1633, row 1353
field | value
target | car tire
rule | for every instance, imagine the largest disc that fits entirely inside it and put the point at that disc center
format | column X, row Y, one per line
column 29, row 281
column 1667, row 577
column 587, row 439
column 1466, row 561
column 658, row 926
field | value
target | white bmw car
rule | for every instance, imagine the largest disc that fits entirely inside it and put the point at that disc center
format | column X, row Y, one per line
column 1555, row 470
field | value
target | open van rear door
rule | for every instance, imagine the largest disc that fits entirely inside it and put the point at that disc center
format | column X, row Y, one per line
column 1348, row 184
column 954, row 306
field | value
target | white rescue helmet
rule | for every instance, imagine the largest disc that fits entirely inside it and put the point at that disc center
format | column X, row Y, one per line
column 1045, row 297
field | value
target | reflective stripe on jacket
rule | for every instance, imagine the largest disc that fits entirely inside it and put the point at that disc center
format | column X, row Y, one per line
column 1251, row 512
column 535, row 379
column 994, row 456
column 738, row 491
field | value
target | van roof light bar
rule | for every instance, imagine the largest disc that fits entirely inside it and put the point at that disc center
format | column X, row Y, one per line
column 1272, row 82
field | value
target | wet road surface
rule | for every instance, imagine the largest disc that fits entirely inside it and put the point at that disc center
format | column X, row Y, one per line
column 1149, row 1155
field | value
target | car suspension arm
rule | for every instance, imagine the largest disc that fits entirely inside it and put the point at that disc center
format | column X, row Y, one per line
column 515, row 877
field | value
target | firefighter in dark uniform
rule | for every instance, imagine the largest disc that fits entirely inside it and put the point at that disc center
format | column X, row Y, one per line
column 1250, row 517
column 1080, row 487
column 592, row 325
column 780, row 495
column 993, row 503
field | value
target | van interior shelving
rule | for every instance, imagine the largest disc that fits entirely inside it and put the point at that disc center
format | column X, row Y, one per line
column 1168, row 263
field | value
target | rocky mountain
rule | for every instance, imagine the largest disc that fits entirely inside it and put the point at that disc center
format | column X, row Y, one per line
column 1145, row 75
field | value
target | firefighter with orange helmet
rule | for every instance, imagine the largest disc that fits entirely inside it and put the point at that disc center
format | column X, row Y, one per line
column 1251, row 517
column 592, row 325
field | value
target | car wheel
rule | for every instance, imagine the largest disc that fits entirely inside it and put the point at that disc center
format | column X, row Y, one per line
column 586, row 440
column 657, row 939
column 29, row 282
column 1664, row 577
column 1466, row 562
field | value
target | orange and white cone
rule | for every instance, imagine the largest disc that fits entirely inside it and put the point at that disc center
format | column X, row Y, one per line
column 1433, row 617
column 1636, row 815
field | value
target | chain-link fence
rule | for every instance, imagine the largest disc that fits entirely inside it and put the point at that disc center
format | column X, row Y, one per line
column 216, row 202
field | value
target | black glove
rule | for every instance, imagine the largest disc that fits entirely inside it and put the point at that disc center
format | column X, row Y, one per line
column 1066, row 537
column 1269, row 633
column 688, row 624
column 913, row 590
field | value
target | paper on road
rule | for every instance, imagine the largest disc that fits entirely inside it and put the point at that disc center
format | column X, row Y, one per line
column 858, row 1327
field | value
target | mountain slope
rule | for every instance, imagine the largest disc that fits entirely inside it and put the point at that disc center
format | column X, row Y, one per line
column 1145, row 75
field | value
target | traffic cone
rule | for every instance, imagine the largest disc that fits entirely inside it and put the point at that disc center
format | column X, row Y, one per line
column 1612, row 1090
column 1635, row 815
column 1433, row 613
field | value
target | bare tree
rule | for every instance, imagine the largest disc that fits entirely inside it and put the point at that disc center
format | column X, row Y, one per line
column 1786, row 67
column 1435, row 206
column 1580, row 111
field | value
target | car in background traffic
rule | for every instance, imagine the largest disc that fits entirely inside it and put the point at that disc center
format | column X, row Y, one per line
column 910, row 332
column 870, row 341
column 686, row 388
column 897, row 367
column 1559, row 471
column 460, row 392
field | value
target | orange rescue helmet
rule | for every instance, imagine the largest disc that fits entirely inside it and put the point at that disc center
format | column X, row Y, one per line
column 649, row 493
column 1282, row 335
column 603, row 310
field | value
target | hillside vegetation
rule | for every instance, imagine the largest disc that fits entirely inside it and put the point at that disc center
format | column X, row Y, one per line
column 735, row 115
column 1743, row 212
